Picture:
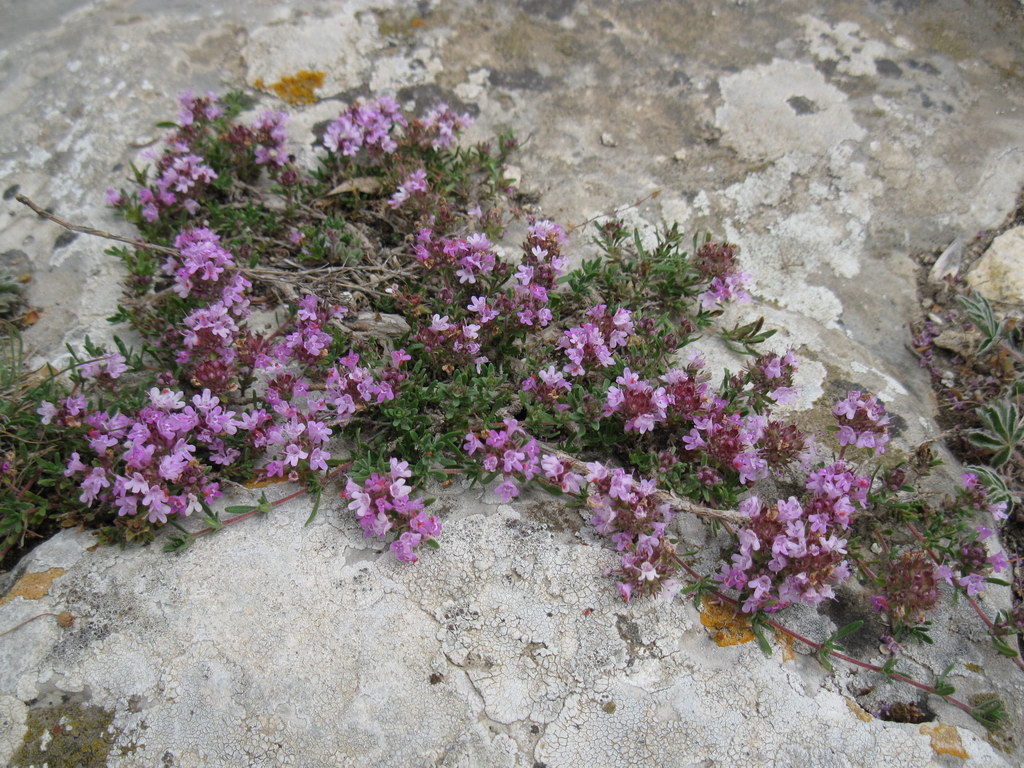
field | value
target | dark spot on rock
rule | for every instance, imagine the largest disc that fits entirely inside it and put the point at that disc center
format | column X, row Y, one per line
column 428, row 96
column 436, row 678
column 551, row 9
column 902, row 6
column 907, row 712
column 802, row 105
column 678, row 79
column 534, row 729
column 520, row 79
column 888, row 68
column 609, row 707
column 897, row 424
column 11, row 191
column 923, row 67
column 65, row 238
column 827, row 67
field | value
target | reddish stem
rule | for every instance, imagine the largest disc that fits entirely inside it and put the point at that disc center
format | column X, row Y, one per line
column 256, row 510
column 842, row 656
column 977, row 608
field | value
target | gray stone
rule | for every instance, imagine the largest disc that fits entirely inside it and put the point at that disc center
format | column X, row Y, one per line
column 999, row 273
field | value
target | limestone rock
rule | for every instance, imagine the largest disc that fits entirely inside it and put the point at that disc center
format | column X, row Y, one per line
column 999, row 274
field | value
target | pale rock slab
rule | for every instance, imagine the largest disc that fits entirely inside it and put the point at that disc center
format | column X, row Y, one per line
column 999, row 274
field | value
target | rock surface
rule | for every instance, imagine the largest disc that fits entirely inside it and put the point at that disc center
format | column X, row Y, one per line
column 999, row 273
column 830, row 140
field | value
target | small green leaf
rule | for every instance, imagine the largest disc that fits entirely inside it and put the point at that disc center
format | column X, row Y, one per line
column 758, row 628
column 238, row 509
column 432, row 543
column 316, row 507
column 848, row 630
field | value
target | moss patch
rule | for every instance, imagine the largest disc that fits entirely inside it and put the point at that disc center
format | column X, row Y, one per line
column 68, row 735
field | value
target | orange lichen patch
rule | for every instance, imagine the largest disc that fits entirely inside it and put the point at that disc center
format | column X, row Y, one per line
column 725, row 625
column 945, row 740
column 786, row 643
column 32, row 586
column 859, row 711
column 295, row 89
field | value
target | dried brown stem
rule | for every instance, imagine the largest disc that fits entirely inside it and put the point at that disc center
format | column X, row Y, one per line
column 95, row 232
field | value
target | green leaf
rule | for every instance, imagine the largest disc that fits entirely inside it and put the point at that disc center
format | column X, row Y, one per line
column 239, row 509
column 942, row 687
column 846, row 631
column 316, row 507
column 432, row 543
column 1004, row 648
column 757, row 626
column 889, row 668
column 179, row 543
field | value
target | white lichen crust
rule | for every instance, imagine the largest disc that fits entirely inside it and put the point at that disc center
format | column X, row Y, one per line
column 274, row 644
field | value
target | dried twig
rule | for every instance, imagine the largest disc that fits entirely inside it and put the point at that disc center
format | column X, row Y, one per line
column 97, row 232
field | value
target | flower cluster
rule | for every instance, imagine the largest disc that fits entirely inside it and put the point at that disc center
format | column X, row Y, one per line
column 717, row 262
column 629, row 512
column 792, row 552
column 270, row 138
column 413, row 184
column 975, row 495
column 183, row 176
column 351, row 384
column 440, row 125
column 471, row 257
column 454, row 344
column 773, row 375
column 365, row 126
column 548, row 386
column 510, row 451
column 382, row 504
column 69, row 413
column 538, row 272
column 639, row 403
column 307, row 344
column 206, row 272
column 196, row 110
column 909, row 588
column 148, row 462
column 862, row 422
column 104, row 370
column 971, row 562
column 590, row 345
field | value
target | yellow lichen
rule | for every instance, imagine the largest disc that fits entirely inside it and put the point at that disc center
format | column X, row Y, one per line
column 295, row 89
column 859, row 711
column 725, row 625
column 945, row 740
column 32, row 586
column 786, row 643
